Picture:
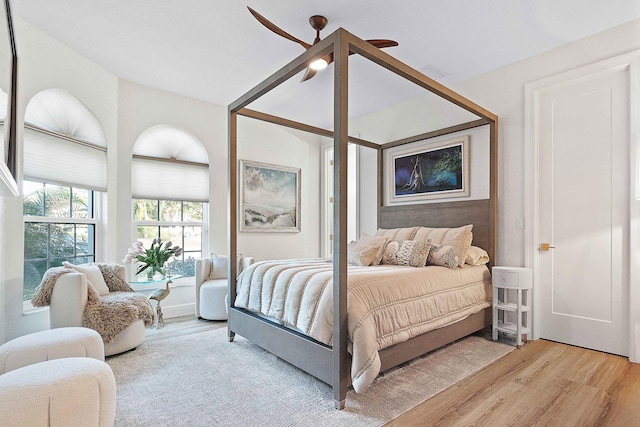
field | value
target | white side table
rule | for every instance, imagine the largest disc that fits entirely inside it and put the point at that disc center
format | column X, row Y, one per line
column 511, row 294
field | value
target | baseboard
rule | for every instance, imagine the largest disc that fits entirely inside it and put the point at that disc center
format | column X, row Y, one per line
column 179, row 310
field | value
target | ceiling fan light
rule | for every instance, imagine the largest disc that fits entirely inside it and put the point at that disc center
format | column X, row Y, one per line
column 319, row 64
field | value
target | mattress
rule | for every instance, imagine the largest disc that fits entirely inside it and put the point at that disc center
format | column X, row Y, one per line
column 386, row 304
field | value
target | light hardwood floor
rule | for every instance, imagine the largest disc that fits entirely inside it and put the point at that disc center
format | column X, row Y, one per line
column 542, row 383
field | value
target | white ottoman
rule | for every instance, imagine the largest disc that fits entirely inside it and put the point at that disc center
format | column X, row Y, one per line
column 213, row 295
column 50, row 344
column 69, row 392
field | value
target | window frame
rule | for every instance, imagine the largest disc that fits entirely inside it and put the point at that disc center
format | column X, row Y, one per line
column 96, row 197
column 158, row 223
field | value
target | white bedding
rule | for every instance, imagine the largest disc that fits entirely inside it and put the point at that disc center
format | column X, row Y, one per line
column 385, row 304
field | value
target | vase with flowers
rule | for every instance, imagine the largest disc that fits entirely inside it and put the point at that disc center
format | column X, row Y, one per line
column 153, row 259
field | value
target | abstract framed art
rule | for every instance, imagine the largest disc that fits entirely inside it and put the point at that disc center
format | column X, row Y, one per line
column 427, row 171
column 269, row 197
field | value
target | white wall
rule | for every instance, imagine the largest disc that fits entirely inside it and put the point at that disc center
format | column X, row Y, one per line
column 502, row 92
column 45, row 63
column 125, row 110
column 267, row 143
column 141, row 107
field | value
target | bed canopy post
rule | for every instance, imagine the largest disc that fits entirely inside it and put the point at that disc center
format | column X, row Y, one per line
column 340, row 149
column 233, row 208
column 493, row 190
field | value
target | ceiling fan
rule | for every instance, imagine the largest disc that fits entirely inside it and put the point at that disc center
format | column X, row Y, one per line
column 318, row 23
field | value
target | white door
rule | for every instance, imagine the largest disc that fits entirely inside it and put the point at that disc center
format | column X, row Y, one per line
column 584, row 213
column 352, row 198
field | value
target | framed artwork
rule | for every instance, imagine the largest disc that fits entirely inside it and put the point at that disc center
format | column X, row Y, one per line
column 8, row 103
column 429, row 171
column 269, row 197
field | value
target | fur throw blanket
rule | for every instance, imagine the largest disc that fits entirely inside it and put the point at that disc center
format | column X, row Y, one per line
column 107, row 314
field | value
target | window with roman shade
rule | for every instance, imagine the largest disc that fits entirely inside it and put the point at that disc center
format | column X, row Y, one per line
column 169, row 163
column 64, row 142
column 170, row 188
column 64, row 170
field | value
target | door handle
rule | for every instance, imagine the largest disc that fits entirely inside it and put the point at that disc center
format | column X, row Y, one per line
column 545, row 246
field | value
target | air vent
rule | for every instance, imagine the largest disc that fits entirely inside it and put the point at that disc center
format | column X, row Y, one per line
column 433, row 72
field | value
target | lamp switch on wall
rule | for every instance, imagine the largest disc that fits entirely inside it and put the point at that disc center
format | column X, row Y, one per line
column 520, row 222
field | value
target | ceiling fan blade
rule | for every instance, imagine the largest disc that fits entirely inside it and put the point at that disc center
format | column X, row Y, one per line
column 329, row 58
column 310, row 73
column 273, row 27
column 381, row 43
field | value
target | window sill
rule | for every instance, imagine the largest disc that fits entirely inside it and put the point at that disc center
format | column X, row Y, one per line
column 151, row 286
column 28, row 308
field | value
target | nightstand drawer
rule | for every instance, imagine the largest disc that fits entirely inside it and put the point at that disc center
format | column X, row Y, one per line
column 505, row 278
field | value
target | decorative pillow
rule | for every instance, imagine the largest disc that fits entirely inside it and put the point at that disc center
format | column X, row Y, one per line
column 443, row 255
column 460, row 238
column 377, row 241
column 399, row 233
column 389, row 253
column 359, row 254
column 476, row 256
column 409, row 252
column 220, row 264
column 94, row 276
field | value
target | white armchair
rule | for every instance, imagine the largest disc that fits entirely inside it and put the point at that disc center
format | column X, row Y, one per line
column 212, row 285
column 68, row 301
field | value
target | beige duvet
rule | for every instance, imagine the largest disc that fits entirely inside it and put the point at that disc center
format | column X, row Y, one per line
column 385, row 304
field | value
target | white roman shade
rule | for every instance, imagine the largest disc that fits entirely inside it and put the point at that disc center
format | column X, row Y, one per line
column 64, row 142
column 56, row 160
column 169, row 164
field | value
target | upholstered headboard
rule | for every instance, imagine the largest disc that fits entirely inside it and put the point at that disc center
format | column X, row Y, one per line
column 448, row 214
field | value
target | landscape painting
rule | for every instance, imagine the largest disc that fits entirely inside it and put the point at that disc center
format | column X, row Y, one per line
column 431, row 172
column 270, row 197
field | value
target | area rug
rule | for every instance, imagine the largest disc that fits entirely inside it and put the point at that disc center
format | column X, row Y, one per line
column 203, row 380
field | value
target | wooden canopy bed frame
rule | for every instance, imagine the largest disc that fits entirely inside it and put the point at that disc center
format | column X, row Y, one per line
column 331, row 364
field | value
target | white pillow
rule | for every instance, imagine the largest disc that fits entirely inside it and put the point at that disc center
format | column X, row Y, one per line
column 364, row 255
column 378, row 241
column 220, row 264
column 476, row 256
column 94, row 276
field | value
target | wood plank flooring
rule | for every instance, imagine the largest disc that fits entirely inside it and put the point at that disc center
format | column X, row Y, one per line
column 541, row 384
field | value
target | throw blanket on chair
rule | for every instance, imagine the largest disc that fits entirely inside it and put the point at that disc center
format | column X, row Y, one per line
column 107, row 314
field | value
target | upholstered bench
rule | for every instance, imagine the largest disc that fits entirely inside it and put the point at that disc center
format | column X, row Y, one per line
column 50, row 344
column 69, row 392
column 212, row 286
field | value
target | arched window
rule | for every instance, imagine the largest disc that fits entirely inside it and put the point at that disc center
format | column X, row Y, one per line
column 170, row 186
column 64, row 166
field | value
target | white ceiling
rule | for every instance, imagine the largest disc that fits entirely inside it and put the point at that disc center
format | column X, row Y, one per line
column 214, row 50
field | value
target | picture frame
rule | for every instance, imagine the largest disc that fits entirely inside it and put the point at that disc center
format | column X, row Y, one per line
column 8, row 92
column 269, row 197
column 428, row 171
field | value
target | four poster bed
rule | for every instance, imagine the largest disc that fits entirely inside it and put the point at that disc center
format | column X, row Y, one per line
column 329, row 354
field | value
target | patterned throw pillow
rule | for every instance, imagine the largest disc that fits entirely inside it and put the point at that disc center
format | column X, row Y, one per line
column 443, row 255
column 363, row 255
column 460, row 238
column 407, row 252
